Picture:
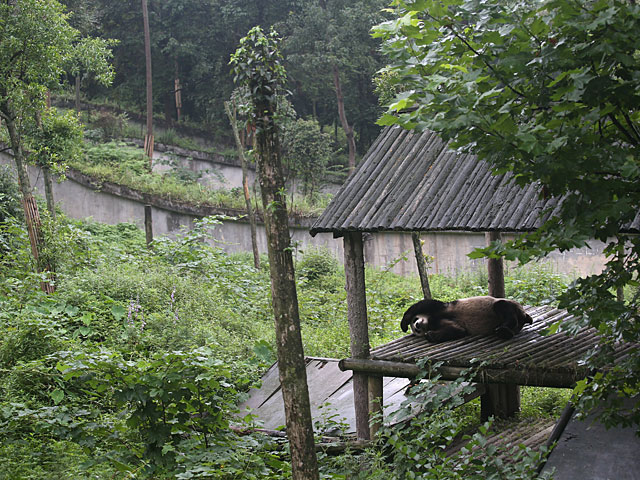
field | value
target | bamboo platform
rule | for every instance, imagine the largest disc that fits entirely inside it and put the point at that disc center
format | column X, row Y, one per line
column 530, row 358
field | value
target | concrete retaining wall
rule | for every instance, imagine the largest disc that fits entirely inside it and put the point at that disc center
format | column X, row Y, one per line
column 79, row 199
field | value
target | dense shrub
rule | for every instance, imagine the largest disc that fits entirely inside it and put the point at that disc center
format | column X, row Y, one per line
column 10, row 205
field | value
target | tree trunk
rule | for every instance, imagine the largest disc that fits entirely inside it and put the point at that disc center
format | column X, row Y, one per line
column 31, row 214
column 46, row 171
column 495, row 268
column 78, row 93
column 48, row 191
column 291, row 363
column 348, row 130
column 178, row 92
column 422, row 264
column 148, row 139
column 233, row 119
column 358, row 327
column 148, row 224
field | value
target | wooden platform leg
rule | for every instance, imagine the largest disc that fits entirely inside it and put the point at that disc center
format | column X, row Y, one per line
column 501, row 401
column 358, row 326
column 361, row 405
column 375, row 404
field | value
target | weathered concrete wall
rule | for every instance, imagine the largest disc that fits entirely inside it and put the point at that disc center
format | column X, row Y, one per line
column 217, row 171
column 448, row 249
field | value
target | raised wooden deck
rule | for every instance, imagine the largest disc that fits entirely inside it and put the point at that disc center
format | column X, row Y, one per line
column 530, row 358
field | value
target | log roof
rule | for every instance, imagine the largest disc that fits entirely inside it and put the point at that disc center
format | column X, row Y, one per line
column 414, row 182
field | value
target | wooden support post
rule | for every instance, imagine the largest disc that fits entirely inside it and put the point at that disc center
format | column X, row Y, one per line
column 375, row 404
column 358, row 326
column 500, row 400
column 421, row 264
column 148, row 225
column 496, row 270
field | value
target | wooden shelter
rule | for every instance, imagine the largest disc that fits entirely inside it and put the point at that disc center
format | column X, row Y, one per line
column 413, row 182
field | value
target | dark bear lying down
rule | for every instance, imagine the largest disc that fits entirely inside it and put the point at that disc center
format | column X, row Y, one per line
column 441, row 321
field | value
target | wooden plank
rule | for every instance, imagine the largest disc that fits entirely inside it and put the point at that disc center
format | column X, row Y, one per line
column 270, row 384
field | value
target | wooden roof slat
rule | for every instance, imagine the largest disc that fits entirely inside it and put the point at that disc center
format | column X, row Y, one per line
column 396, row 183
column 347, row 199
column 469, row 190
column 369, row 180
column 423, row 193
column 451, row 191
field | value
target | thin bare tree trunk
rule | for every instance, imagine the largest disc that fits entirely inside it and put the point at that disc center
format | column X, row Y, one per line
column 48, row 191
column 291, row 362
column 422, row 264
column 233, row 119
column 495, row 268
column 46, row 171
column 348, row 130
column 78, row 93
column 178, row 92
column 31, row 214
column 148, row 139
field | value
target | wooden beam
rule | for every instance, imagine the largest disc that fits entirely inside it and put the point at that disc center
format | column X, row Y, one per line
column 538, row 377
column 358, row 326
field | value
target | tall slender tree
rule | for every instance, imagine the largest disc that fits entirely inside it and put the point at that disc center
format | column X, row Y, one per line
column 148, row 139
column 231, row 107
column 257, row 65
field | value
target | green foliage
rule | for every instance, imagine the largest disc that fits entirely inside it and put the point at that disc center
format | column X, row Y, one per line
column 40, row 46
column 535, row 284
column 39, row 42
column 321, row 36
column 306, row 151
column 257, row 64
column 107, row 126
column 93, row 56
column 549, row 91
column 9, row 195
column 57, row 140
column 125, row 165
column 418, row 444
column 316, row 265
column 166, row 396
column 543, row 402
column 386, row 87
column 121, row 158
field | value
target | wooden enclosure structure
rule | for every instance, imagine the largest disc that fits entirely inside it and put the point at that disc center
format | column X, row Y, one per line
column 412, row 182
